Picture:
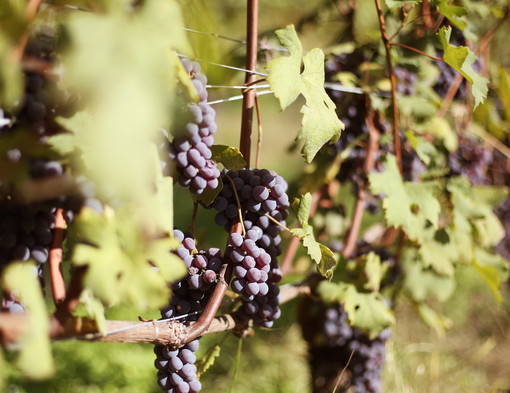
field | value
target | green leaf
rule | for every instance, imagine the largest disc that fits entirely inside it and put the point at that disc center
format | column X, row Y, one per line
column 328, row 261
column 367, row 311
column 35, row 359
column 493, row 269
column 421, row 282
column 454, row 13
column 401, row 3
column 94, row 309
column 462, row 58
column 442, row 130
column 121, row 259
column 374, row 272
column 320, row 122
column 303, row 209
column 312, row 246
column 436, row 321
column 230, row 157
column 207, row 360
column 412, row 206
column 503, row 88
column 130, row 88
column 366, row 28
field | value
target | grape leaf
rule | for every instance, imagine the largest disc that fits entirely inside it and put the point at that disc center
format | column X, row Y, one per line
column 319, row 253
column 493, row 269
column 421, row 282
column 303, row 209
column 454, row 13
column 208, row 359
column 129, row 86
column 366, row 27
column 366, row 311
column 307, row 237
column 400, row 3
column 374, row 271
column 320, row 122
column 230, row 157
column 436, row 321
column 412, row 206
column 121, row 265
column 462, row 59
column 35, row 359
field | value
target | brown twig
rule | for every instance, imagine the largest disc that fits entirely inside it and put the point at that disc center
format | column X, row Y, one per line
column 389, row 63
column 427, row 19
column 30, row 13
column 368, row 165
column 249, row 94
column 450, row 95
column 58, row 288
column 416, row 50
column 68, row 306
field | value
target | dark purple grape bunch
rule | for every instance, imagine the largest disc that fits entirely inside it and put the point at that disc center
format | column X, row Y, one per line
column 25, row 233
column 263, row 199
column 177, row 372
column 191, row 146
column 368, row 355
column 471, row 159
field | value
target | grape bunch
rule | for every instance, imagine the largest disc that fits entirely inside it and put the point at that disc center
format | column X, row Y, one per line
column 191, row 146
column 471, row 159
column 367, row 355
column 176, row 366
column 263, row 201
column 335, row 345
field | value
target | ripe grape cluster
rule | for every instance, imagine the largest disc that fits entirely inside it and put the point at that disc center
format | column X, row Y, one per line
column 177, row 372
column 263, row 201
column 191, row 146
column 368, row 355
column 335, row 345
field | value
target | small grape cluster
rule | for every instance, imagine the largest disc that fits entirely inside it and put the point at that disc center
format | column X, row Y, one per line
column 176, row 366
column 262, row 196
column 191, row 148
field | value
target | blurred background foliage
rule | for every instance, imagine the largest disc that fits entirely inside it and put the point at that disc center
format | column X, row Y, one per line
column 471, row 357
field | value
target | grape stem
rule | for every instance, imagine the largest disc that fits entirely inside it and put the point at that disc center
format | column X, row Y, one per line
column 416, row 50
column 339, row 379
column 278, row 223
column 368, row 166
column 238, row 202
column 393, row 81
column 251, row 65
column 30, row 12
column 58, row 288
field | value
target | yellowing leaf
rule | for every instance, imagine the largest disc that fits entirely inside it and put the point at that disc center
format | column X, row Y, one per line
column 320, row 122
column 462, row 59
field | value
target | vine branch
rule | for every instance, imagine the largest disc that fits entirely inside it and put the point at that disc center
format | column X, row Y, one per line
column 393, row 81
column 58, row 288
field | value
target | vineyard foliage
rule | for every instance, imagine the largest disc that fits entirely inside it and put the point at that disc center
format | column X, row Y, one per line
column 404, row 138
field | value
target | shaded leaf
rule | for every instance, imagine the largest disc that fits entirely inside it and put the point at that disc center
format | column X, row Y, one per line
column 35, row 359
column 462, row 59
column 230, row 157
column 303, row 209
